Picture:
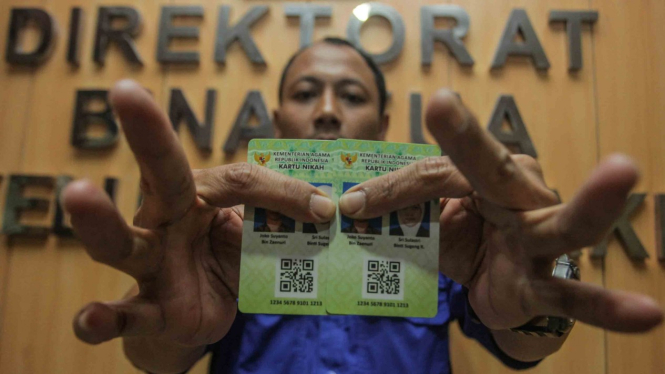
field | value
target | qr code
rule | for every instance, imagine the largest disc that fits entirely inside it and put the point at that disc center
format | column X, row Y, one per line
column 383, row 279
column 296, row 277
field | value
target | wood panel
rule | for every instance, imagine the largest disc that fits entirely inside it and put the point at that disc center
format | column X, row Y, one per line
column 15, row 94
column 631, row 92
column 49, row 281
column 615, row 98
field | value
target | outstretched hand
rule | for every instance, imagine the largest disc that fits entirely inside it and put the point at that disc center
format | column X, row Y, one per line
column 502, row 228
column 184, row 247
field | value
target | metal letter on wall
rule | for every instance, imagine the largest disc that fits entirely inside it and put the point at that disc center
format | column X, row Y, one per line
column 19, row 19
column 451, row 38
column 227, row 35
column 59, row 227
column 624, row 231
column 121, row 36
column 241, row 130
column 365, row 11
column 660, row 226
column 506, row 108
column 416, row 118
column 519, row 23
column 308, row 13
column 83, row 118
column 573, row 21
column 167, row 32
column 180, row 110
column 16, row 203
column 75, row 27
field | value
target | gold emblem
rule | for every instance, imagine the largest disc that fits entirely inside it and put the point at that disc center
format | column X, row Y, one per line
column 262, row 158
column 349, row 159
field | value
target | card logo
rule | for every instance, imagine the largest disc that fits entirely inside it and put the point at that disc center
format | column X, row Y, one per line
column 349, row 159
column 262, row 158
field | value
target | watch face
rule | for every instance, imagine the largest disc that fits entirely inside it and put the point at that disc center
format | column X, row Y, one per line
column 565, row 268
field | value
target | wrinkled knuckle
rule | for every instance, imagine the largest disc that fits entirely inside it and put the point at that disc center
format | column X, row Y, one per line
column 387, row 190
column 241, row 176
column 185, row 184
column 433, row 169
column 200, row 176
column 506, row 170
column 293, row 187
column 529, row 163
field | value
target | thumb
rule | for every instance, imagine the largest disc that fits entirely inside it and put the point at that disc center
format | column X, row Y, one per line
column 99, row 322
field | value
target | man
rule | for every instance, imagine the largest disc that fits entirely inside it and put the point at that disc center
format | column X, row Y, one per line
column 408, row 221
column 360, row 226
column 500, row 231
column 274, row 222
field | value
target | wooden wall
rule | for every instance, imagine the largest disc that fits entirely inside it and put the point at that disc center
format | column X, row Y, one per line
column 612, row 105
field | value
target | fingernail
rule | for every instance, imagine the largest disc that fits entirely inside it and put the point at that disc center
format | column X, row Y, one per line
column 322, row 206
column 352, row 203
column 83, row 321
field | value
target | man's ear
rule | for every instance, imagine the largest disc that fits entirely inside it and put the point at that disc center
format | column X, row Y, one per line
column 384, row 124
column 276, row 124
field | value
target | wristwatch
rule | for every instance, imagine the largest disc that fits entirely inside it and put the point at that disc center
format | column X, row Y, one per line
column 544, row 326
column 549, row 326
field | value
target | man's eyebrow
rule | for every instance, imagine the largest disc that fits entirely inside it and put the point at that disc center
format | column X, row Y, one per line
column 353, row 81
column 341, row 82
column 306, row 78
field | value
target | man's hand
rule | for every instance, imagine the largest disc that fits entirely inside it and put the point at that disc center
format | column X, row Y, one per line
column 184, row 247
column 501, row 227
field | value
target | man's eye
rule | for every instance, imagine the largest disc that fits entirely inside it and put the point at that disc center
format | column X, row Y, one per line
column 303, row 95
column 354, row 99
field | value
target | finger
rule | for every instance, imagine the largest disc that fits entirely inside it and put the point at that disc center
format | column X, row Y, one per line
column 509, row 218
column 485, row 162
column 613, row 310
column 459, row 238
column 589, row 215
column 105, row 234
column 166, row 179
column 258, row 186
column 424, row 180
column 100, row 322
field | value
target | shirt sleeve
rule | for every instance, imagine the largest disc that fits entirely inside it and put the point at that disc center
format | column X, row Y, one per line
column 476, row 330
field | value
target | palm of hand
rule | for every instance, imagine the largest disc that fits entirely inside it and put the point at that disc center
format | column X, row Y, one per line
column 196, row 284
column 493, row 265
column 501, row 228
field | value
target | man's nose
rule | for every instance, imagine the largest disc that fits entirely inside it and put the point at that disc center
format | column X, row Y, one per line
column 328, row 117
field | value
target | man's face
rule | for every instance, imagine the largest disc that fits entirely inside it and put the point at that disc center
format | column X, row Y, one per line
column 330, row 92
column 273, row 216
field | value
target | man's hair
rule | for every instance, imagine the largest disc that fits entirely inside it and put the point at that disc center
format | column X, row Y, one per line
column 378, row 75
